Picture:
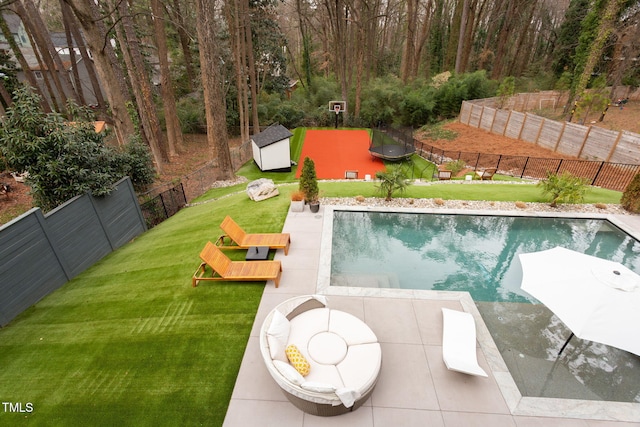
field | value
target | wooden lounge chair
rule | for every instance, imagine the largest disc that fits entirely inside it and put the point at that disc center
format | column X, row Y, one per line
column 239, row 239
column 459, row 342
column 486, row 174
column 225, row 269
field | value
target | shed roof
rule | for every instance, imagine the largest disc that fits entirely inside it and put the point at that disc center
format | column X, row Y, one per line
column 270, row 135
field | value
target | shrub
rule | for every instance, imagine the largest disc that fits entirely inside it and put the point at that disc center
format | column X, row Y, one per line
column 297, row 196
column 631, row 196
column 392, row 179
column 456, row 166
column 64, row 159
column 565, row 188
column 309, row 181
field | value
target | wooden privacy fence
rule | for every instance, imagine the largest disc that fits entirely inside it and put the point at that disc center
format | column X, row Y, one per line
column 614, row 176
column 571, row 139
column 41, row 252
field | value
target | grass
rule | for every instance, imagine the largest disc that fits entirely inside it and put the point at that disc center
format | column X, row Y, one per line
column 129, row 341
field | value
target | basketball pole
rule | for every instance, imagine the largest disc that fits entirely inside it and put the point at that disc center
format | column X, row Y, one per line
column 336, row 119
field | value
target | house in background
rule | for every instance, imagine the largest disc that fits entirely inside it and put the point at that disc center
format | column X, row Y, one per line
column 59, row 40
column 271, row 149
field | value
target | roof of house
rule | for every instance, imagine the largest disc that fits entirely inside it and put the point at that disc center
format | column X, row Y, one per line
column 270, row 135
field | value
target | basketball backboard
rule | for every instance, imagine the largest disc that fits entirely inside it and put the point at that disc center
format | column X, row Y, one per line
column 337, row 106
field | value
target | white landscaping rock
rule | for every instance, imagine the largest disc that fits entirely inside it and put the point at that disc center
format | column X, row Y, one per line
column 261, row 189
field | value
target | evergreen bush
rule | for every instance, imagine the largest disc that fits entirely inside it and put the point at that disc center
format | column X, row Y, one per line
column 631, row 196
column 308, row 181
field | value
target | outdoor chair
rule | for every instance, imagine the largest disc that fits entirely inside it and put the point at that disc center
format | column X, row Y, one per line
column 444, row 175
column 486, row 174
column 223, row 269
column 459, row 342
column 238, row 239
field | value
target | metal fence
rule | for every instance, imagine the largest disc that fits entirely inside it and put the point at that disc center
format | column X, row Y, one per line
column 613, row 176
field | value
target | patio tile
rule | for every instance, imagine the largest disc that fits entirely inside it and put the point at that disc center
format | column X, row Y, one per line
column 294, row 280
column 470, row 419
column 393, row 320
column 254, row 381
column 404, row 381
column 429, row 317
column 406, row 417
column 598, row 423
column 262, row 413
column 544, row 422
column 300, row 259
column 361, row 417
column 461, row 392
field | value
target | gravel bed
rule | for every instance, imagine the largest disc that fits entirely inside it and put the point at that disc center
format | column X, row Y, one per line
column 613, row 209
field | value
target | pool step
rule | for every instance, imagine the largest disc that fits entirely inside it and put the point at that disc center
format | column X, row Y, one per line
column 388, row 280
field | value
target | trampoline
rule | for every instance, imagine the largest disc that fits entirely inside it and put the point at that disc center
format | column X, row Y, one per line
column 385, row 147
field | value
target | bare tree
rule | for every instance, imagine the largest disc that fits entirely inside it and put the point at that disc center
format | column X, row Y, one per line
column 213, row 96
column 174, row 133
column 111, row 75
column 140, row 85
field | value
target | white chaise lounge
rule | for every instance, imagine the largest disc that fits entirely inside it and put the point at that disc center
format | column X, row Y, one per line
column 459, row 342
column 343, row 353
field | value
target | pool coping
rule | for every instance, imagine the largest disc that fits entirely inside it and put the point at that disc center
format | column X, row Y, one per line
column 516, row 402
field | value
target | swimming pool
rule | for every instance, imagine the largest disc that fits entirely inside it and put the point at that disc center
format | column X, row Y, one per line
column 457, row 252
column 410, row 253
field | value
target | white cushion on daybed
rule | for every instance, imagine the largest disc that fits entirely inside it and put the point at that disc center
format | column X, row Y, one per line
column 277, row 336
column 350, row 328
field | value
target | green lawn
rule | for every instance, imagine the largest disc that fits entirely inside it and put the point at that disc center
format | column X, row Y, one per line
column 129, row 341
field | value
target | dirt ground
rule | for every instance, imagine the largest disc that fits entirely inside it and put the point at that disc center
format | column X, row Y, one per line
column 196, row 152
column 473, row 140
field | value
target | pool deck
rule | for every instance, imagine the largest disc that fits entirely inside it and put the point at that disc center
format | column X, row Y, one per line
column 414, row 387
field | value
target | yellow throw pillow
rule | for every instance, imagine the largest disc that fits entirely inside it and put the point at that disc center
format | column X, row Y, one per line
column 297, row 360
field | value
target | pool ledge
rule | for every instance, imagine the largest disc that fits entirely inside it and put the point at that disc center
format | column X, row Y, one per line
column 517, row 404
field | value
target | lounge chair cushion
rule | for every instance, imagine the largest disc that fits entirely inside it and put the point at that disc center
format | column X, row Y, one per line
column 297, row 360
column 459, row 342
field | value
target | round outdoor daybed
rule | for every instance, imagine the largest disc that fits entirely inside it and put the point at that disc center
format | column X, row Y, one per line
column 343, row 355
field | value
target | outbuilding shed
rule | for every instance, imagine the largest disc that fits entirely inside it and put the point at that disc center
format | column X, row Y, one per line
column 271, row 149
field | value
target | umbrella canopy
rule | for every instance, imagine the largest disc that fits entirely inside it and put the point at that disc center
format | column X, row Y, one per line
column 599, row 300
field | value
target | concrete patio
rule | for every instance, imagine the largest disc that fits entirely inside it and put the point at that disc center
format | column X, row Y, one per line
column 414, row 387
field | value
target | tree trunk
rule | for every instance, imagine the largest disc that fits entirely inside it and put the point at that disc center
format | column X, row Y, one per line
column 212, row 85
column 253, row 81
column 184, row 43
column 111, row 75
column 611, row 10
column 459, row 68
column 408, row 53
column 38, row 29
column 174, row 133
column 141, row 86
column 71, row 23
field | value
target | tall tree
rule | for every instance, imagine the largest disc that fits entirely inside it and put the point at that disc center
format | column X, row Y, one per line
column 607, row 15
column 174, row 133
column 140, row 85
column 212, row 86
column 111, row 75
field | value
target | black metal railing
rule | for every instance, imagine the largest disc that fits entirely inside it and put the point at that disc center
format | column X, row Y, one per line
column 613, row 176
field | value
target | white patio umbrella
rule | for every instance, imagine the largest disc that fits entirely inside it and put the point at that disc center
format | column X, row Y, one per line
column 599, row 300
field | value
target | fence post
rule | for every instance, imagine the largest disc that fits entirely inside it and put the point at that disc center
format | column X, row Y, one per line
column 559, row 164
column 526, row 162
column 597, row 173
column 499, row 159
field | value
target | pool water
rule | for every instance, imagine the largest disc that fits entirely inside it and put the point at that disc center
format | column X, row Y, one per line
column 478, row 254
